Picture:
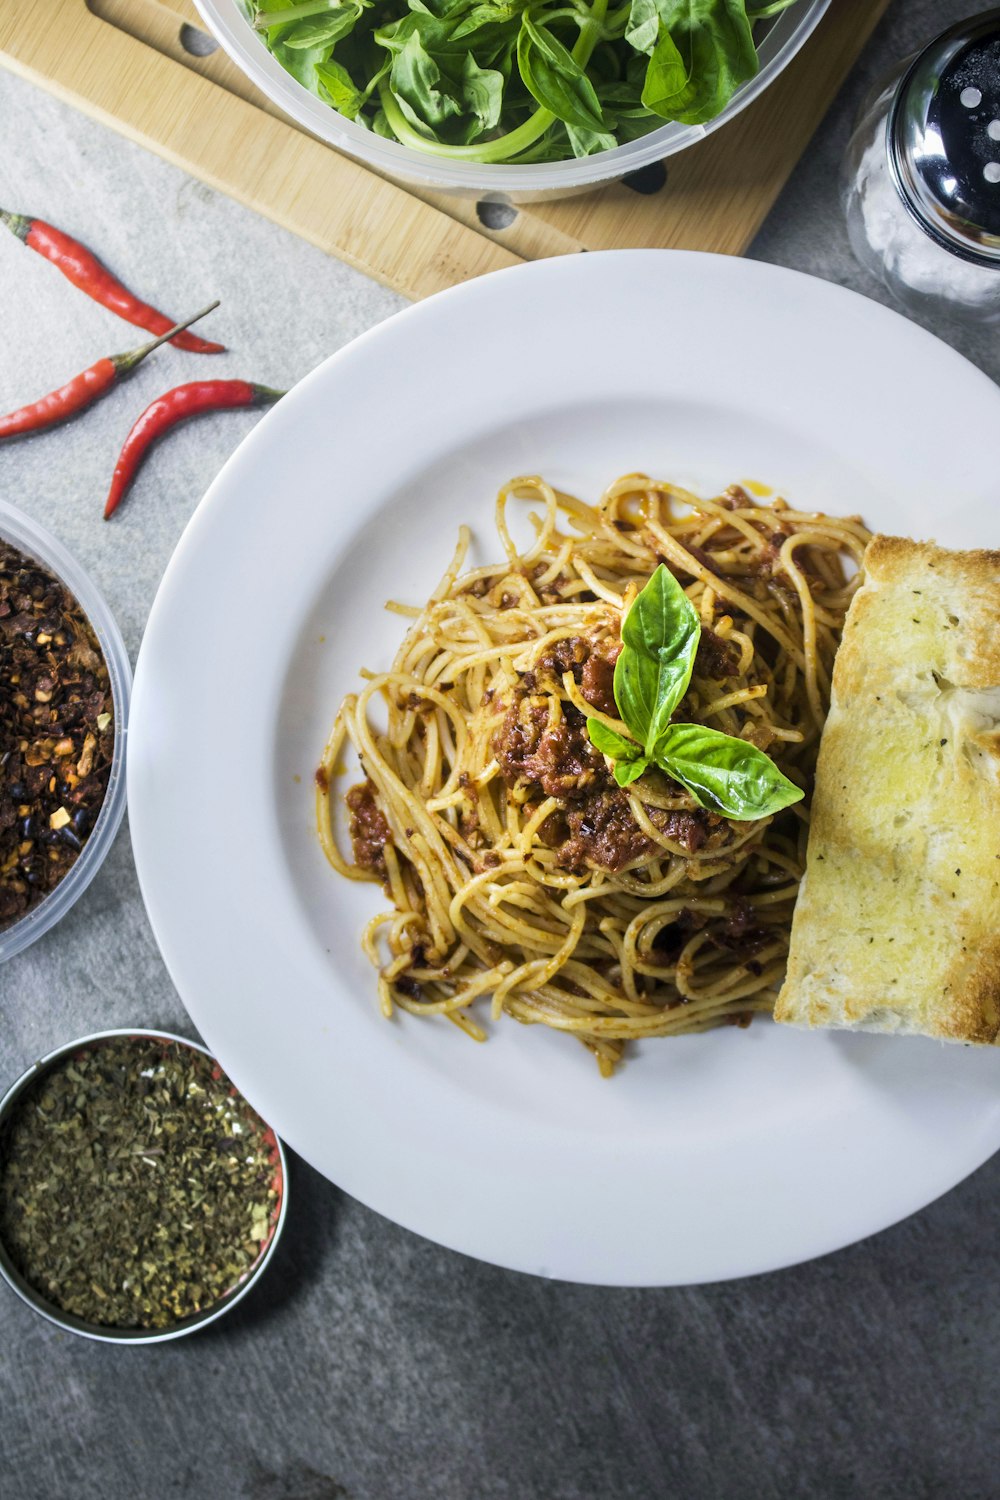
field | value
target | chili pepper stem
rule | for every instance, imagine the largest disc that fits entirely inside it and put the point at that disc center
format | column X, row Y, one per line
column 123, row 363
column 18, row 224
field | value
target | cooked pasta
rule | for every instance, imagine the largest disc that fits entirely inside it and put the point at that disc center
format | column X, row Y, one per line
column 519, row 874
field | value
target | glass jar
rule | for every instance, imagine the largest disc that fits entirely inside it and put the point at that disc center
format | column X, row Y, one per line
column 922, row 176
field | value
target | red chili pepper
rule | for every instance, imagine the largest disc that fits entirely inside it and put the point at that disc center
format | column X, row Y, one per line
column 84, row 270
column 162, row 416
column 84, row 388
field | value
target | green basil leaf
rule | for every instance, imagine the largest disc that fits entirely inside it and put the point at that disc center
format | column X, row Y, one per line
column 660, row 637
column 621, row 98
column 433, row 33
column 724, row 774
column 423, row 95
column 323, row 31
column 666, row 87
column 555, row 79
column 629, row 761
column 439, row 86
column 627, row 771
column 643, row 25
column 703, row 52
column 586, row 142
column 345, row 97
column 285, row 13
column 301, row 64
column 491, row 35
column 439, row 8
column 633, row 124
column 624, row 113
column 488, row 14
column 482, row 92
column 611, row 743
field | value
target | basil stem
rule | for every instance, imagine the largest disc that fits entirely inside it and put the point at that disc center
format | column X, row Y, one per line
column 264, row 19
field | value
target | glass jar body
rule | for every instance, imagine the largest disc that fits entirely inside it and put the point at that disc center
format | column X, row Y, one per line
column 920, row 274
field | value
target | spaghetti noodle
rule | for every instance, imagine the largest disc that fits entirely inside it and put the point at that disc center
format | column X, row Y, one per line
column 515, row 866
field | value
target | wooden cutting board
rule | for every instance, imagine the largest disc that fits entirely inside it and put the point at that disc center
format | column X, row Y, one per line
column 130, row 64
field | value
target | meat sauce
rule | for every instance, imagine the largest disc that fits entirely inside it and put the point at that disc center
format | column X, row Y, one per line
column 368, row 829
column 595, row 826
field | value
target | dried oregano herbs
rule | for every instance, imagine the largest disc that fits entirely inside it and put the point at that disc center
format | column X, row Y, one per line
column 56, row 732
column 136, row 1186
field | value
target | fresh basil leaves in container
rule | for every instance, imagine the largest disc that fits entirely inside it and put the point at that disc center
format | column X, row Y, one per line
column 511, row 98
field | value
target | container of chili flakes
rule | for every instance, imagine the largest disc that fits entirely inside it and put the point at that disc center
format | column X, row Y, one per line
column 65, row 681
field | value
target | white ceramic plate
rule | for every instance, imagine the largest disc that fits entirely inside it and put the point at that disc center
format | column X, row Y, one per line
column 705, row 1157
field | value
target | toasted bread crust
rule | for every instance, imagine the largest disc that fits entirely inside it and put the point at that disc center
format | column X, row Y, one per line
column 896, row 928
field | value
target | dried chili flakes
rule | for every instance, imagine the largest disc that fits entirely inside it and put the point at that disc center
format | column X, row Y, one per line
column 57, row 732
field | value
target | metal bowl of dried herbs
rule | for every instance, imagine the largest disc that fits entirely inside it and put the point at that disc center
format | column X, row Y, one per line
column 64, row 691
column 140, row 1195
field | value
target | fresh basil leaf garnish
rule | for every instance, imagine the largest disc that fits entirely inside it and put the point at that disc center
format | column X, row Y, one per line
column 724, row 774
column 627, row 771
column 660, row 637
column 630, row 763
column 611, row 743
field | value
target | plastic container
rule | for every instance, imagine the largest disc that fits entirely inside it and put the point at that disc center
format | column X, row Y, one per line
column 30, row 538
column 495, row 183
column 208, row 1314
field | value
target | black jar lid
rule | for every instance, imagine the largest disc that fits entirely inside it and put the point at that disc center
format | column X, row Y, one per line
column 944, row 139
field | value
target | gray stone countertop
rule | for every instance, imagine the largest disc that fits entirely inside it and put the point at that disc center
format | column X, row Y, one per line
column 371, row 1364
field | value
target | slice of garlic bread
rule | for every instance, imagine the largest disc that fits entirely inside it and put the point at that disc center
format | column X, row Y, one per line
column 897, row 924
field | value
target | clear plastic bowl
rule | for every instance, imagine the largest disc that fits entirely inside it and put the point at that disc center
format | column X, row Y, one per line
column 536, row 180
column 33, row 540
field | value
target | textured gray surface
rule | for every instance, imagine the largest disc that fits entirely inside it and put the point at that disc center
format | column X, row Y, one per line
column 371, row 1364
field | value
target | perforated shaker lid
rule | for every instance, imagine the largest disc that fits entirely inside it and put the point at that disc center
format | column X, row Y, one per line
column 944, row 139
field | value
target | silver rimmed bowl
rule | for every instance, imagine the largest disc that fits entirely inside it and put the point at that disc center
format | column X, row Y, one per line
column 213, row 1310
